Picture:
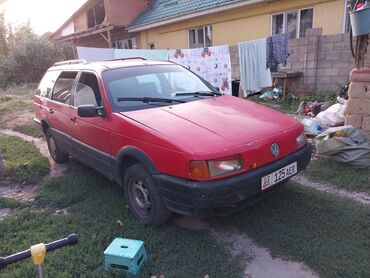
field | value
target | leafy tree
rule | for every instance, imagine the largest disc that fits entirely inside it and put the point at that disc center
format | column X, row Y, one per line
column 3, row 33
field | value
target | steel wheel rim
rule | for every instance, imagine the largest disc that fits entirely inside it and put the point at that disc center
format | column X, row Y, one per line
column 140, row 198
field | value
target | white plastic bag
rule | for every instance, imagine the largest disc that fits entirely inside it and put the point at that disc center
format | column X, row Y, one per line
column 333, row 116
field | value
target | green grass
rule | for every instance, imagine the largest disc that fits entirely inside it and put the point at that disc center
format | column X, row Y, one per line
column 9, row 105
column 22, row 160
column 9, row 203
column 291, row 102
column 340, row 175
column 328, row 233
column 31, row 129
column 95, row 205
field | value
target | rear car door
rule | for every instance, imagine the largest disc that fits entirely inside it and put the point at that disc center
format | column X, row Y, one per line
column 91, row 136
column 60, row 110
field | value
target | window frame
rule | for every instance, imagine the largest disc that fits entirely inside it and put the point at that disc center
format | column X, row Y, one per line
column 124, row 41
column 298, row 29
column 78, row 77
column 73, row 87
column 205, row 29
column 346, row 18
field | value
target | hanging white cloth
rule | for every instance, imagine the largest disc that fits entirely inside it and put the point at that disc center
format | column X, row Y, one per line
column 253, row 73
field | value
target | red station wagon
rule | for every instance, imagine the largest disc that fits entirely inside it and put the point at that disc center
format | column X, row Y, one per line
column 167, row 136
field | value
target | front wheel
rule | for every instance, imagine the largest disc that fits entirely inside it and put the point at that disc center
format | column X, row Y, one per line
column 57, row 155
column 143, row 197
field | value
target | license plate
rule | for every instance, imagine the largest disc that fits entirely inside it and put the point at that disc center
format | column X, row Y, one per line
column 278, row 175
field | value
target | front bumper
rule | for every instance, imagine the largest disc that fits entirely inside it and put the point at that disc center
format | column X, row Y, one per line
column 225, row 196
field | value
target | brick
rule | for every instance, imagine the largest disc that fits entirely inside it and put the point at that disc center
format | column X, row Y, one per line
column 322, row 64
column 302, row 50
column 368, row 95
column 360, row 77
column 293, row 57
column 311, row 65
column 354, row 120
column 302, row 42
column 339, row 80
column 356, row 90
column 365, row 107
column 323, row 39
column 309, row 72
column 322, row 80
column 327, row 47
column 346, row 55
column 313, row 32
column 328, row 72
column 334, row 55
column 309, row 80
column 340, row 64
column 366, row 124
column 311, row 56
column 354, row 106
column 340, row 46
column 321, row 55
column 297, row 65
column 335, row 38
column 345, row 71
column 312, row 48
column 294, row 42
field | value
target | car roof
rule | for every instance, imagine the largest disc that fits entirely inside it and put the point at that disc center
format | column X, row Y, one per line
column 106, row 65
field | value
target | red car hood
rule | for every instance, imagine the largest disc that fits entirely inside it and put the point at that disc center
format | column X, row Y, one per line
column 213, row 123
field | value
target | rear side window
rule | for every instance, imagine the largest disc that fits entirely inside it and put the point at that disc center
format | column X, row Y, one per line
column 47, row 83
column 63, row 87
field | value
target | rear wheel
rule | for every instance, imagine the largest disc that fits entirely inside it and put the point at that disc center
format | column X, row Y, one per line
column 143, row 197
column 57, row 155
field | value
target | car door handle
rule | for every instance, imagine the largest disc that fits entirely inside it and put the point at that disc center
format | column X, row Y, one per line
column 73, row 120
column 51, row 111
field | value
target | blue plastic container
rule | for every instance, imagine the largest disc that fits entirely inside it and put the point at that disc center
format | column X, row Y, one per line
column 360, row 21
column 125, row 256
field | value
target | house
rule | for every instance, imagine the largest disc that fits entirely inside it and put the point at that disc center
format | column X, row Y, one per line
column 198, row 23
column 318, row 32
column 102, row 23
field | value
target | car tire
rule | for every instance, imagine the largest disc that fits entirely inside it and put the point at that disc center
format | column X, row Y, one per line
column 55, row 152
column 143, row 197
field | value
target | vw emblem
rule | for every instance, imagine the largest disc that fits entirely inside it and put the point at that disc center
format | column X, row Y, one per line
column 275, row 149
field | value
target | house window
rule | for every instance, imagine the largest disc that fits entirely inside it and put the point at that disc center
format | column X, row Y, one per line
column 295, row 23
column 125, row 44
column 200, row 37
column 96, row 14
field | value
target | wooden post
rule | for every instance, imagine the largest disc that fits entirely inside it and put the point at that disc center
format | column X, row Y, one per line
column 361, row 47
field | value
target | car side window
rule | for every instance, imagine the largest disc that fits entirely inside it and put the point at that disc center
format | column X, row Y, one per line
column 47, row 83
column 63, row 87
column 87, row 91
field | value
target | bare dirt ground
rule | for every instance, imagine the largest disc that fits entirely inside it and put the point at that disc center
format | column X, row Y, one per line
column 258, row 261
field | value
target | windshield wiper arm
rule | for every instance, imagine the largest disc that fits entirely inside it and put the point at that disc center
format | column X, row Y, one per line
column 149, row 99
column 200, row 93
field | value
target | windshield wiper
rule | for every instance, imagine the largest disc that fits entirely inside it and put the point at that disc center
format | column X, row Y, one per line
column 200, row 93
column 149, row 99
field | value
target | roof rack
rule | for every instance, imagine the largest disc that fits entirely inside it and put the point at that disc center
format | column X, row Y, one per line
column 129, row 58
column 70, row 62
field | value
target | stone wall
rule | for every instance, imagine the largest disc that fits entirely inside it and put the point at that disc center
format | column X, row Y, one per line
column 325, row 61
column 358, row 109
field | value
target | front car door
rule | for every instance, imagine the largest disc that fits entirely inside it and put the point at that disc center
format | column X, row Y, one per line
column 91, row 136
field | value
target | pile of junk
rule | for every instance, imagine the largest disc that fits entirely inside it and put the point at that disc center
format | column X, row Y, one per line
column 325, row 124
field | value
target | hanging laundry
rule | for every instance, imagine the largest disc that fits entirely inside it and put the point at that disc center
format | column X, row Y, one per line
column 211, row 63
column 149, row 54
column 277, row 51
column 253, row 73
column 92, row 54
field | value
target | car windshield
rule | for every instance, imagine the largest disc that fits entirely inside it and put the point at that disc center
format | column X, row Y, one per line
column 153, row 85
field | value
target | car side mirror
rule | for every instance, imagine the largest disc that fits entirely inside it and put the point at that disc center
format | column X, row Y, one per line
column 89, row 111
